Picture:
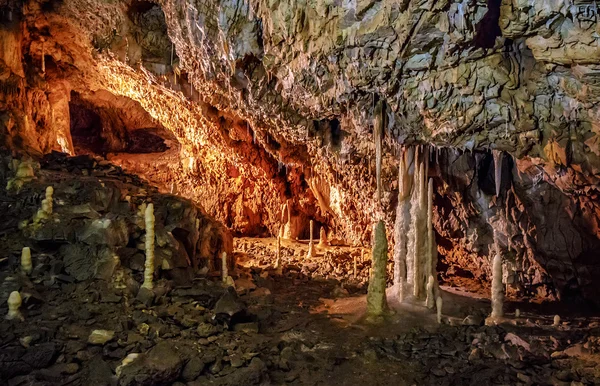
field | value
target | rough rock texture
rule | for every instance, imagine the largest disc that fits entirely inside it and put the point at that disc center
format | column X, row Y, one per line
column 273, row 98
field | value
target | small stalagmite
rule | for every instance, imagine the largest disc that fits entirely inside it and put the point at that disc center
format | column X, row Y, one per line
column 14, row 305
column 278, row 254
column 376, row 298
column 312, row 252
column 46, row 209
column 26, row 265
column 354, row 274
column 224, row 271
column 429, row 302
column 439, row 303
column 285, row 231
column 556, row 321
column 323, row 238
column 149, row 264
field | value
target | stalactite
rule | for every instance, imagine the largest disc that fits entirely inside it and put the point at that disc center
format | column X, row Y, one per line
column 497, row 287
column 378, row 128
column 376, row 298
column 402, row 223
column 43, row 59
column 497, row 154
column 149, row 264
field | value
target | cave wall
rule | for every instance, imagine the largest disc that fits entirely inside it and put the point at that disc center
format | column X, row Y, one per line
column 278, row 99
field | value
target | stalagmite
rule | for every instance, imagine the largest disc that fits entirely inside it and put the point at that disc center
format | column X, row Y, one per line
column 311, row 247
column 376, row 299
column 354, row 267
column 46, row 209
column 497, row 170
column 402, row 223
column 14, row 303
column 278, row 256
column 323, row 238
column 224, row 271
column 417, row 242
column 497, row 287
column 378, row 128
column 429, row 301
column 26, row 265
column 286, row 219
column 430, row 239
column 438, row 304
column 517, row 313
column 556, row 321
column 149, row 264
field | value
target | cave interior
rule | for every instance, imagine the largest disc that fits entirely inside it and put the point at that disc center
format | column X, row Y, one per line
column 251, row 192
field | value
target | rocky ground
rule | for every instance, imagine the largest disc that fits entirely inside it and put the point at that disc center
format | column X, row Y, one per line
column 275, row 328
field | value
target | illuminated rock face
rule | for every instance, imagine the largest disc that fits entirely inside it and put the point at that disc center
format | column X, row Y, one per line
column 266, row 102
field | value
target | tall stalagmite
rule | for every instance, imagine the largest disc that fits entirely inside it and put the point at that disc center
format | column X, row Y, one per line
column 497, row 287
column 376, row 299
column 401, row 227
column 417, row 242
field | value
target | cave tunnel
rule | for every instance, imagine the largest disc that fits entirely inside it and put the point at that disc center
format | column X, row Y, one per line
column 234, row 193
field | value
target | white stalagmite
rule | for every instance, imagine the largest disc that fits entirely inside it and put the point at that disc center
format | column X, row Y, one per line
column 497, row 170
column 45, row 211
column 378, row 128
column 438, row 304
column 149, row 264
column 556, row 321
column 429, row 302
column 517, row 313
column 497, row 287
column 311, row 247
column 401, row 227
column 224, row 270
column 26, row 265
column 14, row 303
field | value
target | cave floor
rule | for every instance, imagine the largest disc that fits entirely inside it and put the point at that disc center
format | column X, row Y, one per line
column 301, row 325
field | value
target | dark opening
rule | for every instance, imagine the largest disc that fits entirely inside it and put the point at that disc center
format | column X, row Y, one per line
column 86, row 130
column 488, row 29
column 486, row 180
column 146, row 141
